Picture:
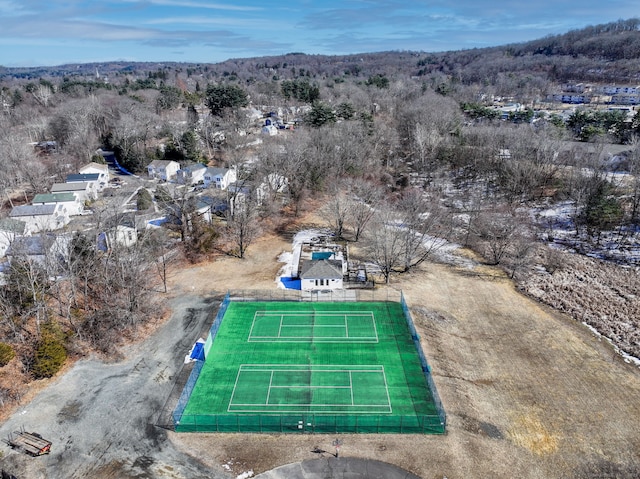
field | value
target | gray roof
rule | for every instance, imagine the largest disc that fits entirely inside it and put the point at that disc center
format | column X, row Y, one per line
column 157, row 163
column 321, row 269
column 79, row 186
column 31, row 245
column 213, row 171
column 74, row 178
column 12, row 225
column 32, row 210
column 194, row 167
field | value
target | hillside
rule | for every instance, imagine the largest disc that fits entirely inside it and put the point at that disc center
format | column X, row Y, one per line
column 607, row 52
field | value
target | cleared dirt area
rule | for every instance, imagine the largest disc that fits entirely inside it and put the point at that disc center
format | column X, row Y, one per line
column 529, row 393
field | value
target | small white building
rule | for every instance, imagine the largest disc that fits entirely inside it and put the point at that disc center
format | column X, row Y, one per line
column 92, row 178
column 41, row 217
column 120, row 235
column 219, row 178
column 270, row 130
column 69, row 200
column 101, row 169
column 10, row 229
column 165, row 170
column 82, row 190
column 322, row 274
column 192, row 174
column 48, row 250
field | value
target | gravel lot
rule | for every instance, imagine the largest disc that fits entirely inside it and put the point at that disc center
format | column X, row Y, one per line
column 100, row 416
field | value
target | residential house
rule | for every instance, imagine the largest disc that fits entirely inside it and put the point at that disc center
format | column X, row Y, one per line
column 101, row 169
column 121, row 235
column 92, row 178
column 122, row 230
column 192, row 174
column 10, row 229
column 321, row 274
column 165, row 170
column 208, row 206
column 41, row 217
column 625, row 99
column 82, row 190
column 69, row 200
column 48, row 250
column 219, row 178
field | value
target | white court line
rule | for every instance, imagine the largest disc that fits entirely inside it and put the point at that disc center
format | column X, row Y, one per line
column 379, row 369
column 310, row 313
column 351, row 386
column 386, row 387
column 280, row 338
column 269, row 390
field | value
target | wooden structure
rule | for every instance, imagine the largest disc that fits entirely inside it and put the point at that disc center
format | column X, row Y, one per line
column 31, row 443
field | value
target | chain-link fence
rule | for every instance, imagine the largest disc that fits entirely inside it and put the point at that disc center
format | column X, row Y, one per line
column 423, row 362
column 312, row 423
column 338, row 295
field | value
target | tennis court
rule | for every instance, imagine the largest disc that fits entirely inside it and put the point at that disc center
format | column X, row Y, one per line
column 311, row 367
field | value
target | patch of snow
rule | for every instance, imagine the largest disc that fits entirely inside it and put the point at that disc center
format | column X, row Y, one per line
column 245, row 475
column 628, row 358
column 290, row 267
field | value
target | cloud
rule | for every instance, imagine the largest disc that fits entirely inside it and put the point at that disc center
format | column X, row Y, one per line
column 193, row 4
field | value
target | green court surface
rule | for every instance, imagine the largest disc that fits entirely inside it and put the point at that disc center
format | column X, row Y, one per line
column 312, row 367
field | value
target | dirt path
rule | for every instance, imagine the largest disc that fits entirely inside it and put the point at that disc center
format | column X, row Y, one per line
column 529, row 393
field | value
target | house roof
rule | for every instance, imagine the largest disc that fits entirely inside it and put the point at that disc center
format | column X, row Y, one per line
column 321, row 269
column 216, row 204
column 194, row 167
column 12, row 225
column 32, row 210
column 60, row 187
column 215, row 171
column 159, row 163
column 53, row 198
column 73, row 178
column 95, row 166
column 31, row 245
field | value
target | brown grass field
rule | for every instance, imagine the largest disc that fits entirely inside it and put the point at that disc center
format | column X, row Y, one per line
column 529, row 393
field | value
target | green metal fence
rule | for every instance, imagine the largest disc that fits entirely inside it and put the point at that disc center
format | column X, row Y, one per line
column 313, row 424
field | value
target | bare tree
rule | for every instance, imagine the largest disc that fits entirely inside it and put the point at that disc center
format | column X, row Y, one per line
column 337, row 210
column 365, row 196
column 242, row 225
column 495, row 232
column 424, row 224
column 384, row 242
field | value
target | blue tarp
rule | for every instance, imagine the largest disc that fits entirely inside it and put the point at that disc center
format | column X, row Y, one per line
column 290, row 283
column 198, row 351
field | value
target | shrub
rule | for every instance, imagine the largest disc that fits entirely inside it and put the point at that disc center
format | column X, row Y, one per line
column 144, row 199
column 51, row 353
column 6, row 354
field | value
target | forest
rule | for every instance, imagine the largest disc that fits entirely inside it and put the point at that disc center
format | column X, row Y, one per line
column 405, row 152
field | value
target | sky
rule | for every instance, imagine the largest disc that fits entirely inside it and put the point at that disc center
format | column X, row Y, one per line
column 56, row 32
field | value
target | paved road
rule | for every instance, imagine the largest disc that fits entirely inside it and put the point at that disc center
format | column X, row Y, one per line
column 338, row 468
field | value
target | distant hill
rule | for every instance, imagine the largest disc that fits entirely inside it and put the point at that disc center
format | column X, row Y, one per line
column 601, row 53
